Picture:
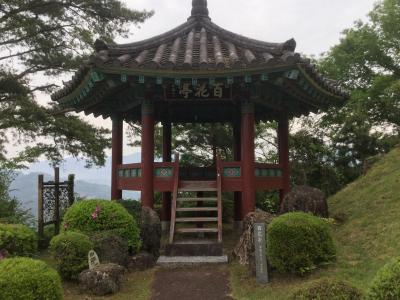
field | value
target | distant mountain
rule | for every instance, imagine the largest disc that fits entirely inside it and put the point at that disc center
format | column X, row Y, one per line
column 25, row 189
column 89, row 183
column 71, row 165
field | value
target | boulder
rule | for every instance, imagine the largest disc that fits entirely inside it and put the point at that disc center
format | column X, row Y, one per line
column 245, row 249
column 141, row 262
column 150, row 231
column 306, row 199
column 102, row 280
column 111, row 247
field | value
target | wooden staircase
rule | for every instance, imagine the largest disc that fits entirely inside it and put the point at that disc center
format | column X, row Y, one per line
column 185, row 204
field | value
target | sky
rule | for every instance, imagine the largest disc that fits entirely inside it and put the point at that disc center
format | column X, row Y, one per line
column 316, row 25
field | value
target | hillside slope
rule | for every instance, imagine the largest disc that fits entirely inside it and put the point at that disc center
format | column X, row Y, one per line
column 367, row 235
column 370, row 209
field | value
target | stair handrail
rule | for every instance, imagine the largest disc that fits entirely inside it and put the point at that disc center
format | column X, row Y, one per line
column 174, row 199
column 219, row 196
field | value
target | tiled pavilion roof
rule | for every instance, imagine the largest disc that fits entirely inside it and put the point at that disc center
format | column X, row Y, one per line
column 198, row 48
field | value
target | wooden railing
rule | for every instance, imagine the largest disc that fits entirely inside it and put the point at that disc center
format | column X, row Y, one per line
column 267, row 176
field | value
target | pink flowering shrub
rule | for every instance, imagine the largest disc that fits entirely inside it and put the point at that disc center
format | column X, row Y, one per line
column 94, row 216
column 96, row 212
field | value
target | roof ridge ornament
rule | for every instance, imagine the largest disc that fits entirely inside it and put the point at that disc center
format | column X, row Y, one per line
column 199, row 9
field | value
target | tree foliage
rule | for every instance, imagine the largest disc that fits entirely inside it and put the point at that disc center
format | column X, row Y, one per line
column 41, row 39
column 367, row 62
column 198, row 144
column 328, row 150
column 10, row 209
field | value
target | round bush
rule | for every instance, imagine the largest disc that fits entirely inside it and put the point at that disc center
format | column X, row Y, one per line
column 386, row 284
column 299, row 242
column 18, row 240
column 70, row 250
column 92, row 216
column 328, row 289
column 28, row 279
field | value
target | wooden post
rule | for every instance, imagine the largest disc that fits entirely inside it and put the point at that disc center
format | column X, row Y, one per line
column 166, row 196
column 283, row 145
column 117, row 145
column 237, row 198
column 248, row 158
column 57, row 200
column 147, row 154
column 40, row 209
column 71, row 192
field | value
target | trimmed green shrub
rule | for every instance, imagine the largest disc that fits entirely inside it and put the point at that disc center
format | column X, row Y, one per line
column 28, row 279
column 92, row 216
column 18, row 240
column 133, row 207
column 328, row 289
column 386, row 284
column 70, row 251
column 299, row 242
column 48, row 234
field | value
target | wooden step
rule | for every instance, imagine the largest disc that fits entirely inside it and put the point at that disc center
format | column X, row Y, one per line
column 197, row 186
column 197, row 247
column 197, row 230
column 197, row 209
column 199, row 219
column 196, row 189
column 196, row 199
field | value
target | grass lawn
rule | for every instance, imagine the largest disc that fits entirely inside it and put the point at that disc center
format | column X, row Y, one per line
column 367, row 238
column 136, row 285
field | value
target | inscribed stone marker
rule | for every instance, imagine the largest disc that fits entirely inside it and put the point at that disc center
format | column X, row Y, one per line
column 93, row 259
column 260, row 253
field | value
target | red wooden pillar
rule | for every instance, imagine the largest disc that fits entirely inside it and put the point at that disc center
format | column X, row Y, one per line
column 166, row 196
column 248, row 158
column 147, row 154
column 283, row 144
column 116, row 156
column 237, row 198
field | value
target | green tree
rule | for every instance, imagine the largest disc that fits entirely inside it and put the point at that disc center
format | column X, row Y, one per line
column 43, row 39
column 367, row 62
column 313, row 162
column 10, row 209
column 198, row 144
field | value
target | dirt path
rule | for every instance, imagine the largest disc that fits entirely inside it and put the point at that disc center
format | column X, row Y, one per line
column 194, row 283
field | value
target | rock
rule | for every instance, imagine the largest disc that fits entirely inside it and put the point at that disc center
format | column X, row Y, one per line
column 111, row 248
column 245, row 248
column 141, row 262
column 102, row 280
column 306, row 199
column 150, row 231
